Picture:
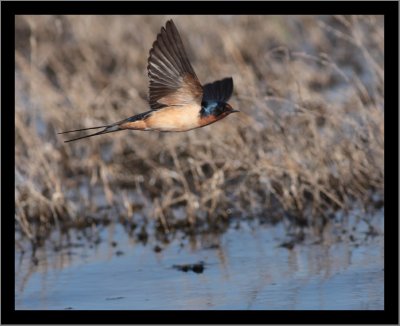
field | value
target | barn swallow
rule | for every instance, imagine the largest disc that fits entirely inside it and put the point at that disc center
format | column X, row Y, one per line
column 177, row 100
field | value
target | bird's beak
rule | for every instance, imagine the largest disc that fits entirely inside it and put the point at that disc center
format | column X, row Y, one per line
column 235, row 111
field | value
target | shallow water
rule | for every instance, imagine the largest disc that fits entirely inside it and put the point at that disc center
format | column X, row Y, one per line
column 245, row 268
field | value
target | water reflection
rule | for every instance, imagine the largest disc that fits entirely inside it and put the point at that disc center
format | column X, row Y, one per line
column 244, row 268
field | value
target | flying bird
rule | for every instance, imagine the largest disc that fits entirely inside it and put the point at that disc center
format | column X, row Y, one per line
column 177, row 100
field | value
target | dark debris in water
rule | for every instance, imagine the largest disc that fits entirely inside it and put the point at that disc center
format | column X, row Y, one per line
column 372, row 232
column 157, row 248
column 142, row 236
column 196, row 268
column 288, row 245
column 296, row 240
column 212, row 246
column 115, row 298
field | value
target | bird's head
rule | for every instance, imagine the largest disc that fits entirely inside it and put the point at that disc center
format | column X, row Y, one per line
column 217, row 110
column 227, row 109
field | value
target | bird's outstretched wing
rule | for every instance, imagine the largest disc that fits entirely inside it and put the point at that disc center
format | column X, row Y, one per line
column 173, row 81
column 220, row 90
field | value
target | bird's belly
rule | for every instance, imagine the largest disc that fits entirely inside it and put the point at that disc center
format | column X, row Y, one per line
column 174, row 119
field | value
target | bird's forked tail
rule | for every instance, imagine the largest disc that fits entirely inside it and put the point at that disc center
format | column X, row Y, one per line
column 106, row 130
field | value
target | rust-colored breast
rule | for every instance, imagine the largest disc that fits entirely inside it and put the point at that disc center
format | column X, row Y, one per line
column 176, row 118
column 204, row 121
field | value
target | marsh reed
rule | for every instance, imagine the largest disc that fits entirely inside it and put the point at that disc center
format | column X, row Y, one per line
column 309, row 140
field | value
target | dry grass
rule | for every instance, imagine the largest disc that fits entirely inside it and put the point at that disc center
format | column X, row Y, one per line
column 309, row 140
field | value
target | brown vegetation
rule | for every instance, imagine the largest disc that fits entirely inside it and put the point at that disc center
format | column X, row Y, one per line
column 309, row 140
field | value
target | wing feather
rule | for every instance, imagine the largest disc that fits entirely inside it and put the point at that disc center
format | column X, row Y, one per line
column 172, row 78
column 220, row 90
